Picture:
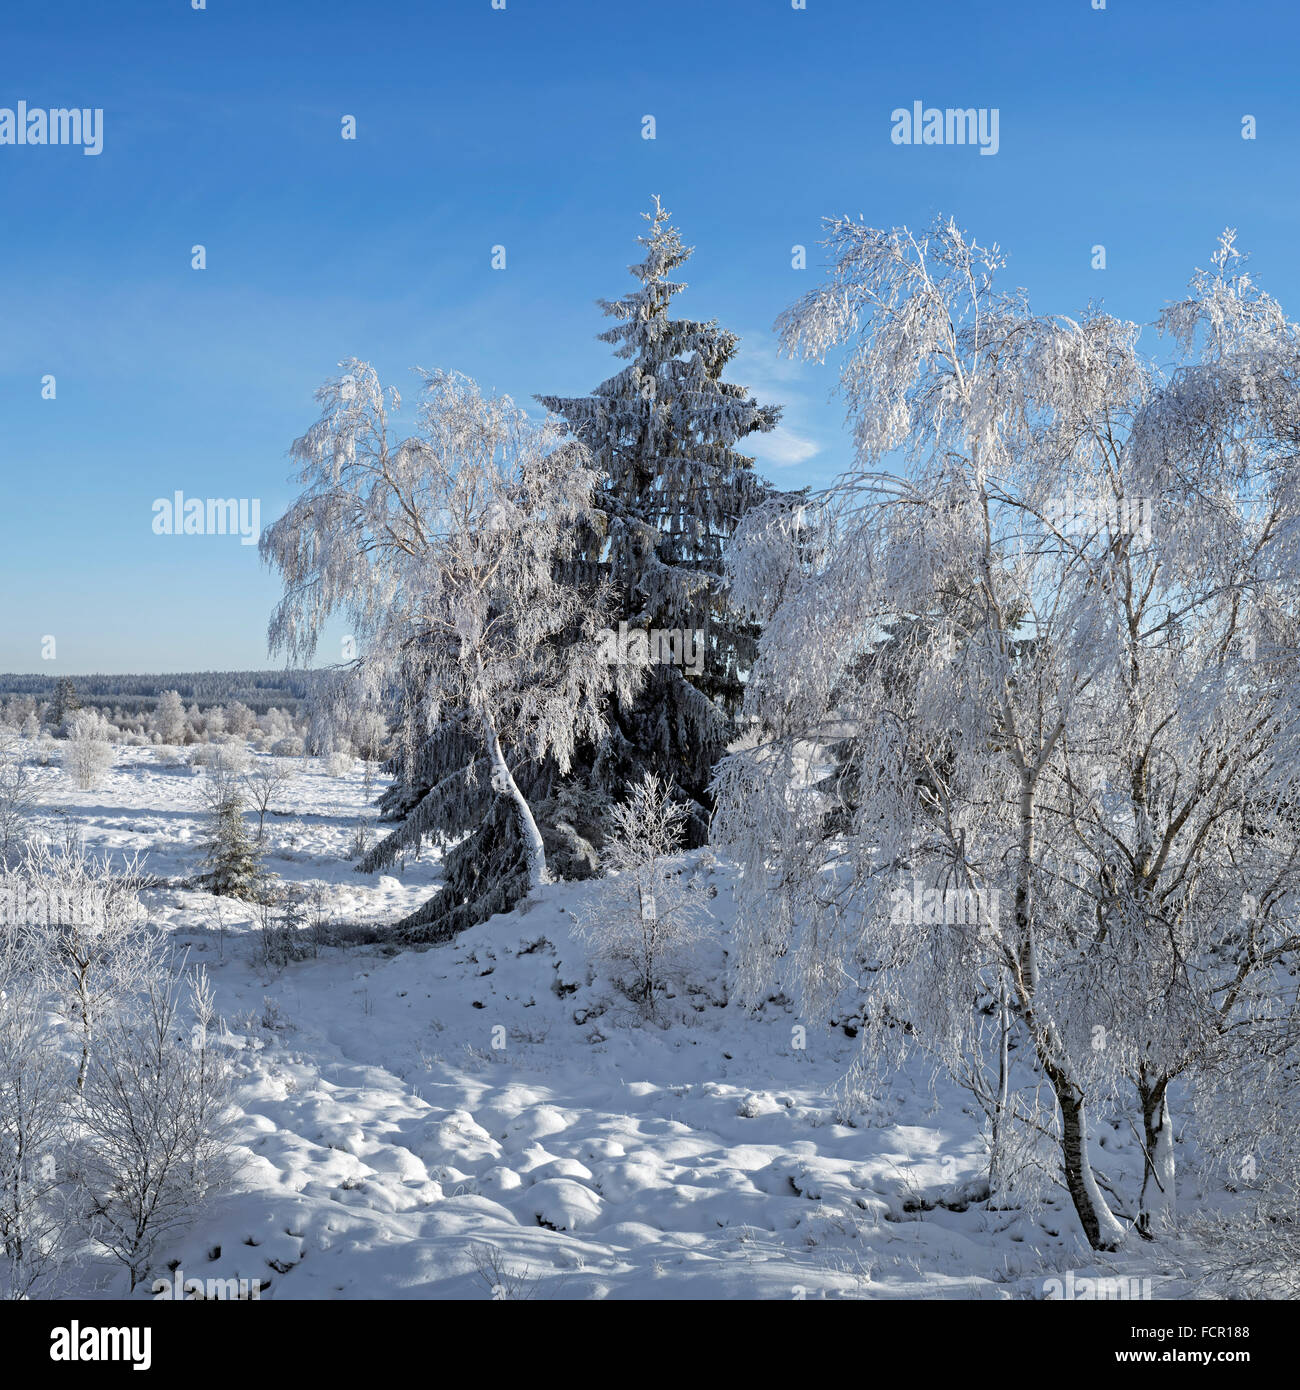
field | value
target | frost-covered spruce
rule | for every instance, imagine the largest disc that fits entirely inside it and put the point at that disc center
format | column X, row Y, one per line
column 663, row 433
column 670, row 492
column 232, row 865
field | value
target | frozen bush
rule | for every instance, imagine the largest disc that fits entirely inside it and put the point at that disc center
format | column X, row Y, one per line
column 290, row 747
column 156, row 1138
column 646, row 909
column 282, row 916
column 239, row 719
column 89, row 754
column 19, row 795
column 263, row 783
column 232, row 758
column 168, row 720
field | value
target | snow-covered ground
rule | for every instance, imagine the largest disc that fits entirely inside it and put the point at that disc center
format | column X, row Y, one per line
column 491, row 1117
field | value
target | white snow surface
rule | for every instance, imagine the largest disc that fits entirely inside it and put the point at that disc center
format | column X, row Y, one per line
column 492, row 1117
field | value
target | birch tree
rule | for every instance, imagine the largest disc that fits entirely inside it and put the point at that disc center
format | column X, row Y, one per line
column 445, row 551
column 1031, row 632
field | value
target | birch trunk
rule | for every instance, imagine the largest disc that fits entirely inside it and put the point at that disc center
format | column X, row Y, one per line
column 1156, row 1207
column 534, row 851
column 1099, row 1224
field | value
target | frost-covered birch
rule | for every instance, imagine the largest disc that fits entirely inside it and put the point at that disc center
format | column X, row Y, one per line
column 88, row 933
column 445, row 550
column 1028, row 638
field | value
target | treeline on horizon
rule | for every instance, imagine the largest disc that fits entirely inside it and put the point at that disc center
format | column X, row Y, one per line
column 259, row 690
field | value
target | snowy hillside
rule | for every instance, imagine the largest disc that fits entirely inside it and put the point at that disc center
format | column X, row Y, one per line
column 494, row 1118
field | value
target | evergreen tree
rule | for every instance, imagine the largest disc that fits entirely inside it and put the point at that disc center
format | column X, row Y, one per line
column 232, row 865
column 663, row 433
column 66, row 701
column 672, row 490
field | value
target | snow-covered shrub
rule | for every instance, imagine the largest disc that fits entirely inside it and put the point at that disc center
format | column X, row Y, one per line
column 231, row 758
column 361, row 840
column 263, row 783
column 646, row 909
column 370, row 735
column 19, row 794
column 275, row 723
column 338, row 764
column 282, row 914
column 89, row 754
column 35, row 1081
column 154, row 1117
column 168, row 720
column 291, row 746
column 239, row 719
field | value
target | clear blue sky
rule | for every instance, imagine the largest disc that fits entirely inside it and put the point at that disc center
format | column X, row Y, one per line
column 523, row 127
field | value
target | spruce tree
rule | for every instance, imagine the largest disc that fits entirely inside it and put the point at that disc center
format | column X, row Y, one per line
column 663, row 432
column 232, row 865
column 66, row 701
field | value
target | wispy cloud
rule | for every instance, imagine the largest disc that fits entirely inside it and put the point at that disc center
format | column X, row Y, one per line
column 783, row 448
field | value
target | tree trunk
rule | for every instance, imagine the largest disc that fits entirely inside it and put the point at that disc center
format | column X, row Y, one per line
column 1103, row 1231
column 84, row 1065
column 1101, row 1228
column 534, row 851
column 1156, row 1208
column 996, row 1137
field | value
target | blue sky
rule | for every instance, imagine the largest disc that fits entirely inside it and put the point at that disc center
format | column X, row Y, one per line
column 522, row 127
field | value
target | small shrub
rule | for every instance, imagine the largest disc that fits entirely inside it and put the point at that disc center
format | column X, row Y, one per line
column 155, row 1118
column 89, row 754
column 646, row 910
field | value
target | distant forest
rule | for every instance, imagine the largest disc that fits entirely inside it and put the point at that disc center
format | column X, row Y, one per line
column 259, row 690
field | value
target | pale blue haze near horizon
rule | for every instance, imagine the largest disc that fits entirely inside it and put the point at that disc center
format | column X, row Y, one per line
column 523, row 128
